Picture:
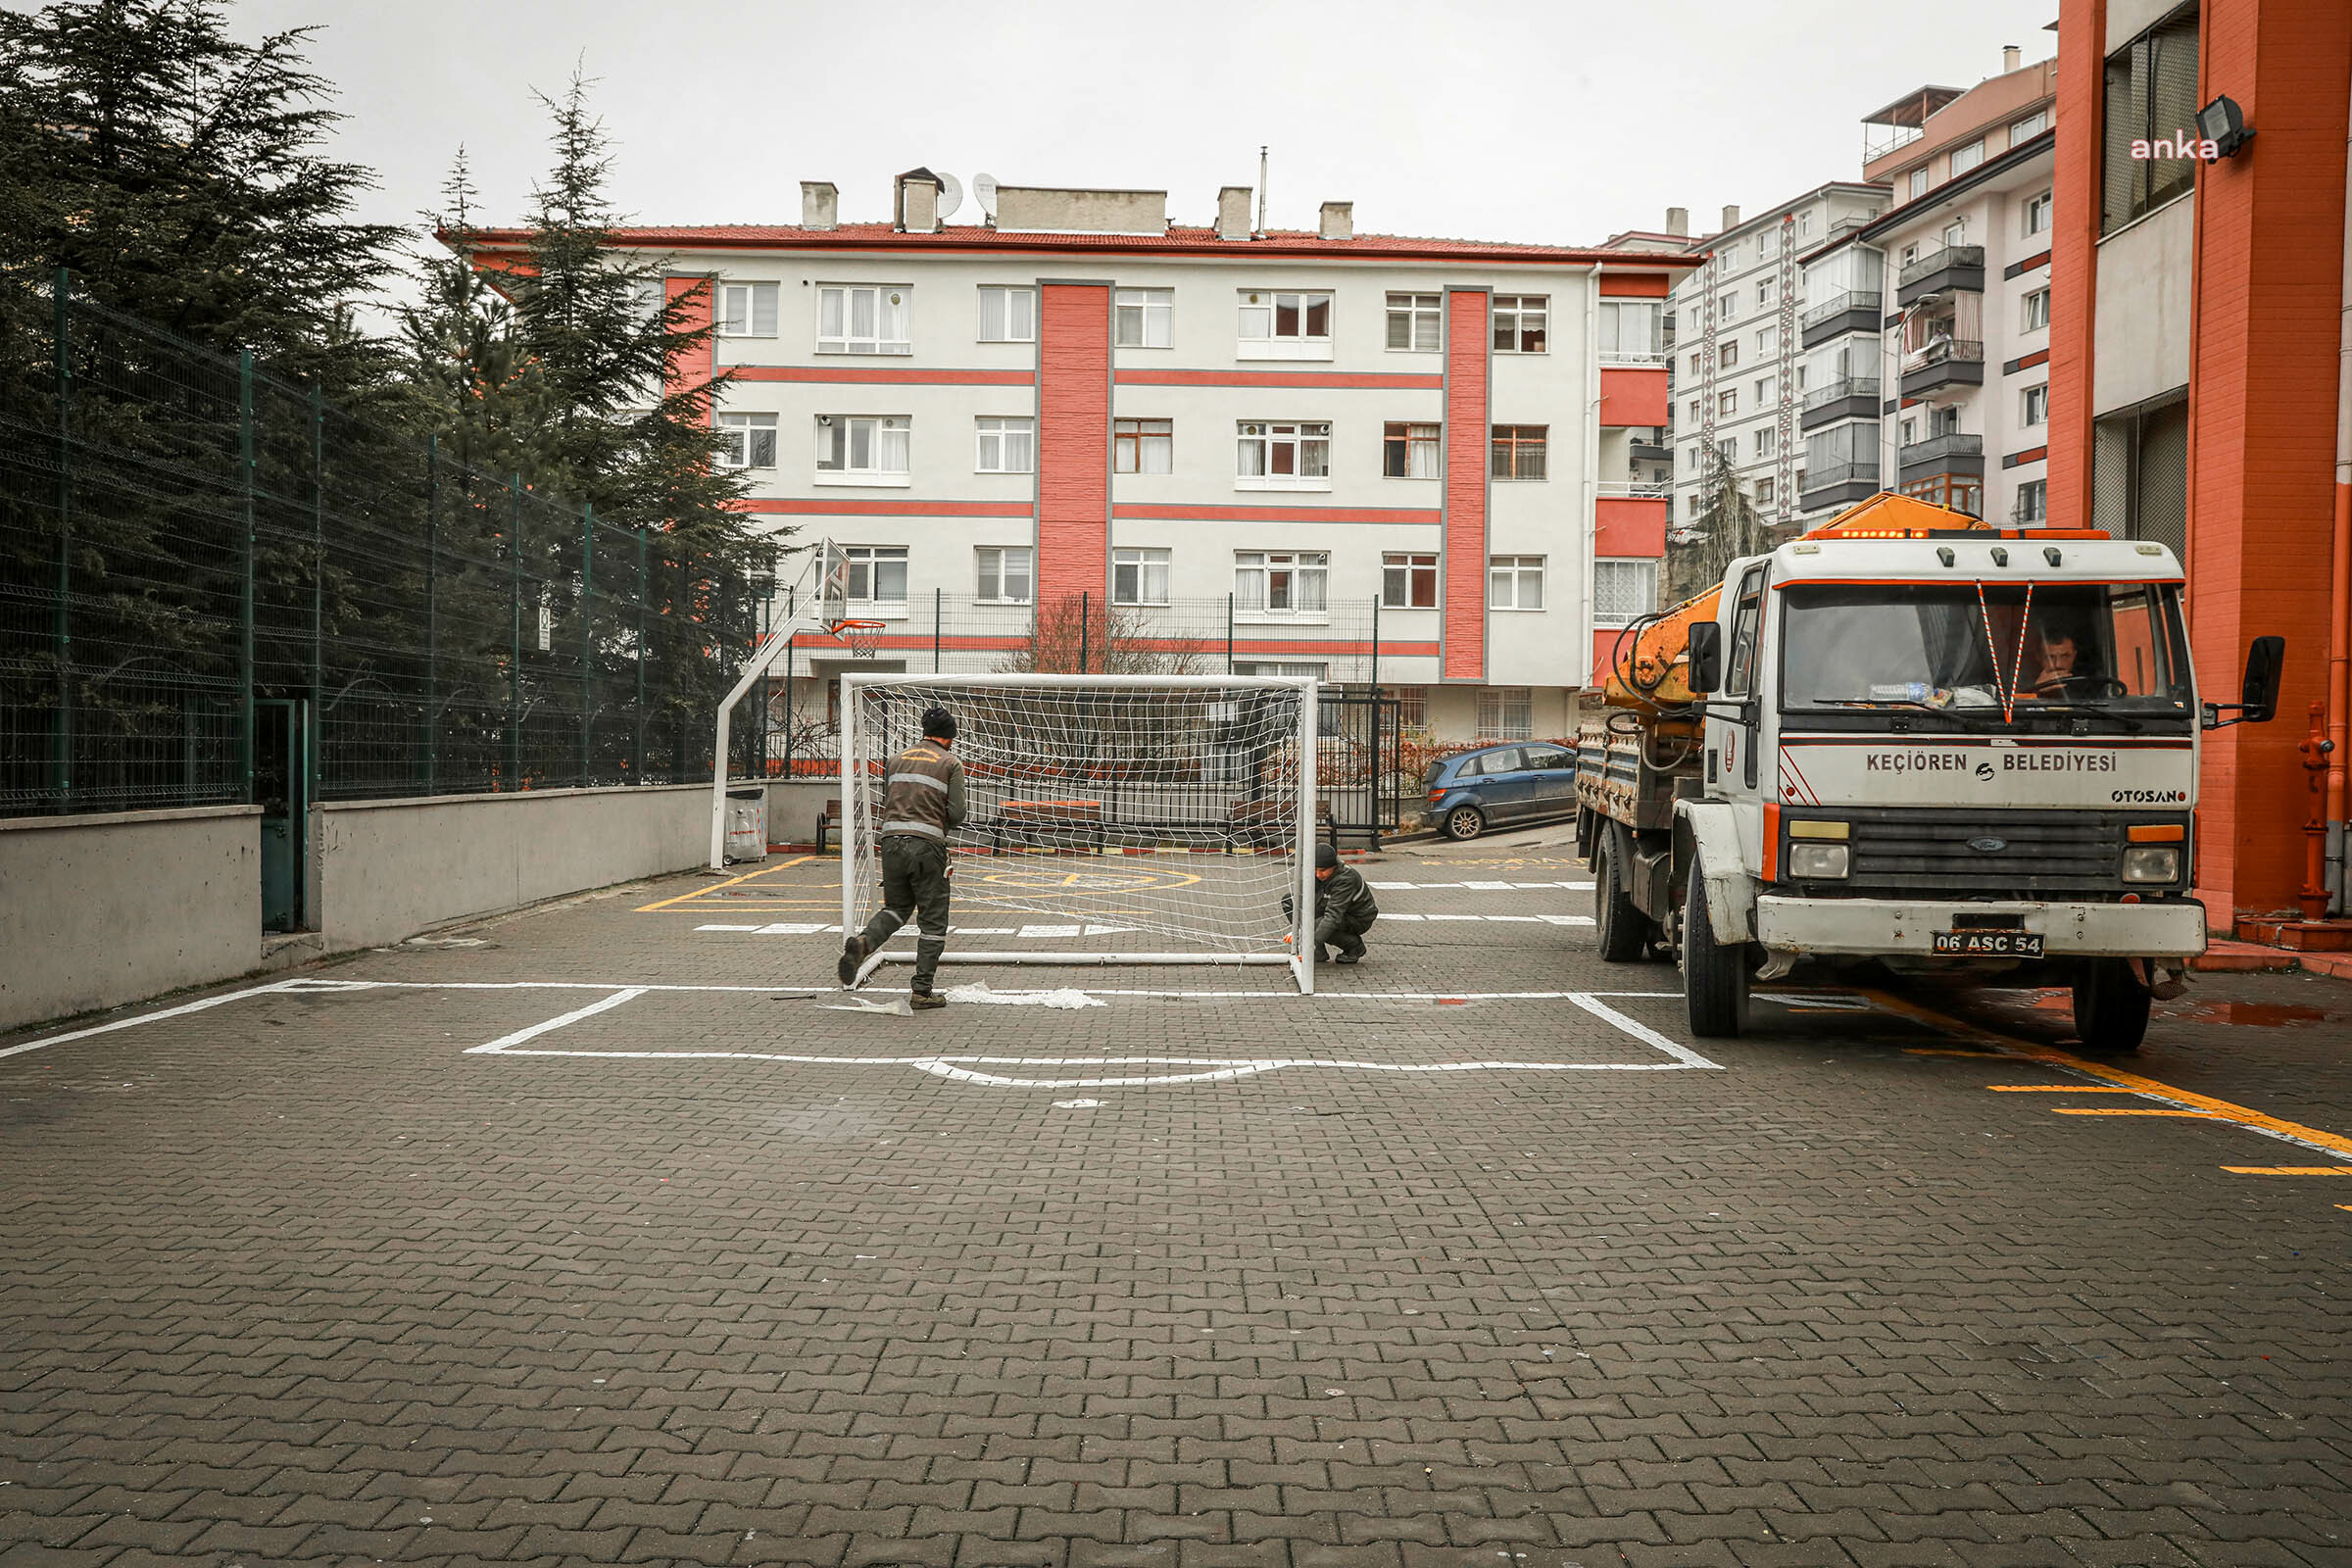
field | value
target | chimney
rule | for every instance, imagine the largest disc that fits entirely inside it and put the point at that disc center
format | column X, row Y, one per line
column 820, row 204
column 1233, row 212
column 918, row 202
column 2010, row 55
column 1678, row 221
column 1730, row 219
column 1337, row 220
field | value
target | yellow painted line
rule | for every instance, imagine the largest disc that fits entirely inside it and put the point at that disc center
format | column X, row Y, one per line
column 2346, row 1207
column 2057, row 1089
column 2289, row 1171
column 2050, row 1055
column 2127, row 1110
column 1944, row 1050
column 647, row 908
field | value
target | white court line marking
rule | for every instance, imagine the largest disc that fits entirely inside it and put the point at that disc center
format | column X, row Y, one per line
column 182, row 1011
column 505, row 1043
column 1642, row 1032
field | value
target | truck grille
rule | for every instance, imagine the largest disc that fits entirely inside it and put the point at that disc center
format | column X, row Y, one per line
column 1931, row 849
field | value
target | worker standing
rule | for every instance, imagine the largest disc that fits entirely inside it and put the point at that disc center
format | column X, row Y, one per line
column 1345, row 908
column 922, row 800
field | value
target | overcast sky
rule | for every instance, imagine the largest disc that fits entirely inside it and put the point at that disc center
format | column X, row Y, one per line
column 1554, row 122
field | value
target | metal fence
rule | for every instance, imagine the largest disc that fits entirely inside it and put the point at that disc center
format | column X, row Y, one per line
column 186, row 539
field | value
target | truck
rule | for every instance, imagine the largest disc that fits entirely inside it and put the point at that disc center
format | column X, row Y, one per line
column 1910, row 739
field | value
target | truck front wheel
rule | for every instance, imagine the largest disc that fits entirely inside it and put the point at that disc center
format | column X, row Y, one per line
column 2111, row 1006
column 1625, row 931
column 1714, row 976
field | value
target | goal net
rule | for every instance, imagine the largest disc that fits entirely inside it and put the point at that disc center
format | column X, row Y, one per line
column 1111, row 819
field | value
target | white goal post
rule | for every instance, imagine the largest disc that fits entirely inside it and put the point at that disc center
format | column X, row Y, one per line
column 1113, row 819
column 817, row 601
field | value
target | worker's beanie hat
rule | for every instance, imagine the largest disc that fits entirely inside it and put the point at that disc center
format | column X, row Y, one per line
column 1326, row 856
column 938, row 723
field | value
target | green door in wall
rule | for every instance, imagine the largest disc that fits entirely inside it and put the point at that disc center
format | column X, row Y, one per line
column 281, row 785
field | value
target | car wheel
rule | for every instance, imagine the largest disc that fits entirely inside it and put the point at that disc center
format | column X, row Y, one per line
column 1465, row 822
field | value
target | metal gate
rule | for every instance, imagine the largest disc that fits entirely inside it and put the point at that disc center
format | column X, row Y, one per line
column 1359, row 790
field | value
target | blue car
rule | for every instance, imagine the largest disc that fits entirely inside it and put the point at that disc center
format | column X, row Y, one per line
column 1500, row 786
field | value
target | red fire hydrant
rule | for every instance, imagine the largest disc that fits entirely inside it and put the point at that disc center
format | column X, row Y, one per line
column 2315, row 749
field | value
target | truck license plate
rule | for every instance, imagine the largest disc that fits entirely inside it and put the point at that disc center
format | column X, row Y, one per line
column 1989, row 944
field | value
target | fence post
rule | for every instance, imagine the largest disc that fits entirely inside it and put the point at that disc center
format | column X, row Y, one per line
column 514, row 632
column 245, row 462
column 62, row 762
column 637, row 762
column 1086, row 626
column 1376, row 645
column 318, row 726
column 587, row 637
column 1229, row 634
column 939, row 600
column 433, row 614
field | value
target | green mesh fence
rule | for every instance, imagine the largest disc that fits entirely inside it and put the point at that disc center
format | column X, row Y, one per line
column 184, row 536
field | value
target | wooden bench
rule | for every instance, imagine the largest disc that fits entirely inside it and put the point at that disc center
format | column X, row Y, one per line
column 1025, row 818
column 1263, row 824
column 827, row 820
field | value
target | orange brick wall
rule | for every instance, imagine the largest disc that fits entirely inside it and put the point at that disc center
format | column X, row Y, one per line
column 1073, row 440
column 695, row 368
column 1466, row 350
column 2074, row 258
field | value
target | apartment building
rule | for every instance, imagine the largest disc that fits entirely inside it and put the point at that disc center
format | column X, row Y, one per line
column 1354, row 456
column 2200, row 379
column 1738, row 372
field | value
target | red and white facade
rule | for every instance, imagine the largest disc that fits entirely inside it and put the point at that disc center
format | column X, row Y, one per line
column 1164, row 418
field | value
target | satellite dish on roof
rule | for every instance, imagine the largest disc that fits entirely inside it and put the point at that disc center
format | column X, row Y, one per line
column 984, row 191
column 950, row 195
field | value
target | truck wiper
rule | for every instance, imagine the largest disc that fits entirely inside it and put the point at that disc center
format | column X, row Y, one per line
column 1892, row 702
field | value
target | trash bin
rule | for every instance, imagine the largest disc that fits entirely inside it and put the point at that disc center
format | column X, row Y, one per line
column 747, row 823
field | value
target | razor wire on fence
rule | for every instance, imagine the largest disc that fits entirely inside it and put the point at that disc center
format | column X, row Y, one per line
column 185, row 536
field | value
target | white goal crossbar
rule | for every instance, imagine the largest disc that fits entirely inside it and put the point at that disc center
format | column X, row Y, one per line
column 1179, row 809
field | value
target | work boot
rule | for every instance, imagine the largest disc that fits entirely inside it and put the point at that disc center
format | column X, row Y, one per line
column 852, row 955
column 924, row 1001
column 1348, row 958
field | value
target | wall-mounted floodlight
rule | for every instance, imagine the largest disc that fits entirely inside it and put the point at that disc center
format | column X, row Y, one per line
column 2223, row 124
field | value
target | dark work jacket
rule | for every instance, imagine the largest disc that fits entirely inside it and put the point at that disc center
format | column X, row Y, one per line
column 925, row 797
column 1345, row 895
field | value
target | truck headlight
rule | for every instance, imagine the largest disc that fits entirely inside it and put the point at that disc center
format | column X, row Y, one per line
column 1807, row 861
column 2152, row 862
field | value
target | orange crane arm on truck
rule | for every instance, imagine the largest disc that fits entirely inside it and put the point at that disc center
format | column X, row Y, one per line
column 1649, row 666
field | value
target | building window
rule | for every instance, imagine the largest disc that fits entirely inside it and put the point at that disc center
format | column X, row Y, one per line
column 1805, row 224
column 1967, row 158
column 648, row 297
column 2152, row 94
column 1007, row 315
column 1275, row 457
column 860, row 319
column 1519, row 322
column 1142, row 446
column 1768, row 341
column 1768, row 242
column 1727, row 401
column 2037, row 405
column 1764, row 491
column 1138, row 576
column 1728, row 358
column 1917, row 185
column 1697, row 411
column 1622, row 591
column 1698, row 364
column 1285, row 318
column 746, row 440
column 2034, row 125
column 1763, row 295
column 2037, row 213
column 1409, row 581
column 1727, row 449
column 1727, row 306
column 1910, row 431
column 1768, row 441
column 1006, row 445
column 1280, row 582
column 1147, row 318
column 1630, row 331
column 2032, row 502
column 1505, row 714
column 849, row 444
column 1408, row 451
column 1765, row 386
column 1690, row 456
column 2038, row 309
column 1514, row 582
column 1003, row 573
column 1412, row 707
column 1413, row 322
column 747, row 310
column 877, row 574
column 1518, row 450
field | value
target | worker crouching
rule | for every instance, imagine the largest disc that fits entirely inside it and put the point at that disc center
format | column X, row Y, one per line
column 1343, row 908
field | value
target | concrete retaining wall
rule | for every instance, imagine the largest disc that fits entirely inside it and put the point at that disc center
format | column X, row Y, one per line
column 792, row 807
column 110, row 907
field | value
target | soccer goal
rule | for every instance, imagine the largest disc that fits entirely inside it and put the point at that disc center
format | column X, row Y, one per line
column 1113, row 819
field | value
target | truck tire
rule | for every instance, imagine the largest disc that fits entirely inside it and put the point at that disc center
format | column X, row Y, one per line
column 2111, row 1006
column 1625, row 931
column 1714, row 976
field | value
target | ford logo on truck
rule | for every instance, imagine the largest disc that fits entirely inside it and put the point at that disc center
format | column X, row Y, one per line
column 1988, row 846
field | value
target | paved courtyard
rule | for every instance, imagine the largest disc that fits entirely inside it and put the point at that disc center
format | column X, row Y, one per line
column 613, row 1232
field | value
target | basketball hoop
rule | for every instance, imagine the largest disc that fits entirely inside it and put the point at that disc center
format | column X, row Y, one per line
column 861, row 636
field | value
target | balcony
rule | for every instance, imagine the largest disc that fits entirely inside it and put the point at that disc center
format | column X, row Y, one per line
column 1840, row 484
column 1951, row 453
column 1940, row 272
column 1650, row 451
column 1945, row 361
column 1849, row 397
column 1635, row 489
column 1855, row 312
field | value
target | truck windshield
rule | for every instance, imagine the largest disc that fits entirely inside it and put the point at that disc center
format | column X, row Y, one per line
column 2115, row 645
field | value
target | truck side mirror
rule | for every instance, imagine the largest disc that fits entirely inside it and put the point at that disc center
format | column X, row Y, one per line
column 2258, row 702
column 1705, row 659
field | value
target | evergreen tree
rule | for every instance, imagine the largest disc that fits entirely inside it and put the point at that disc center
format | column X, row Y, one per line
column 1727, row 527
column 480, row 391
column 177, row 171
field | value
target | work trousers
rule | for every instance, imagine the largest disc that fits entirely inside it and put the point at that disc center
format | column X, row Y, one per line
column 1334, row 929
column 914, row 881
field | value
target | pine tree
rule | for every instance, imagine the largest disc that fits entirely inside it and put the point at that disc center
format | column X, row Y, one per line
column 479, row 390
column 1727, row 527
column 176, row 171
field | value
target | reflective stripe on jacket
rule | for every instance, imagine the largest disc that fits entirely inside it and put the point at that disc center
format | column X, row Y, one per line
column 925, row 793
